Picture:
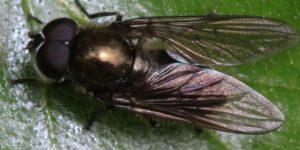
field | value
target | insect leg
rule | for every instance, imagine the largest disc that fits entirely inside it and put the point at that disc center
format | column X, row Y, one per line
column 198, row 130
column 23, row 80
column 32, row 80
column 31, row 17
column 152, row 122
column 212, row 13
column 108, row 107
column 92, row 120
column 99, row 14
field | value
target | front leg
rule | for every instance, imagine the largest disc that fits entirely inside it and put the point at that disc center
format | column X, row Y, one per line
column 36, row 80
column 24, row 81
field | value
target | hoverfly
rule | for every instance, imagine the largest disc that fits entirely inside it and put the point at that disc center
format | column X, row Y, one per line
column 112, row 63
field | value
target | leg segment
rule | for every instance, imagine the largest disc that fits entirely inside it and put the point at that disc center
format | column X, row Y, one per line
column 92, row 120
column 149, row 120
column 99, row 14
column 32, row 80
column 198, row 130
column 23, row 80
column 31, row 17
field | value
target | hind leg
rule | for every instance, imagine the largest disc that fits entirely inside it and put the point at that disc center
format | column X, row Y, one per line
column 99, row 14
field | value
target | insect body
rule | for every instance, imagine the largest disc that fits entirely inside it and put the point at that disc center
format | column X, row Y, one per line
column 112, row 63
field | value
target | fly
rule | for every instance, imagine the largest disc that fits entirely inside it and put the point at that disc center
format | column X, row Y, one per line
column 113, row 63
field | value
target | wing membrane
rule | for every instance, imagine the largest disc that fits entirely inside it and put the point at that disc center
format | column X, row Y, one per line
column 216, row 40
column 205, row 98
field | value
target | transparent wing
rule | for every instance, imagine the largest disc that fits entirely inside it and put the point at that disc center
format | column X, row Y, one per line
column 204, row 98
column 216, row 40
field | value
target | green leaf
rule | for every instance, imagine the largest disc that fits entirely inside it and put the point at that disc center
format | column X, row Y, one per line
column 37, row 116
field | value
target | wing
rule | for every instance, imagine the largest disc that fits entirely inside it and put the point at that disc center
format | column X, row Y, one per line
column 204, row 98
column 216, row 40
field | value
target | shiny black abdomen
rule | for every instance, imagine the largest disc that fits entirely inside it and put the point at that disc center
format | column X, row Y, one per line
column 100, row 58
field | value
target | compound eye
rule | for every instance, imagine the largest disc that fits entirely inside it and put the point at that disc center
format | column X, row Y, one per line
column 52, row 59
column 62, row 29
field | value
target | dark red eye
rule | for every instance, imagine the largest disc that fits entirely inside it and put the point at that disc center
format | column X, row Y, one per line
column 52, row 59
column 62, row 29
